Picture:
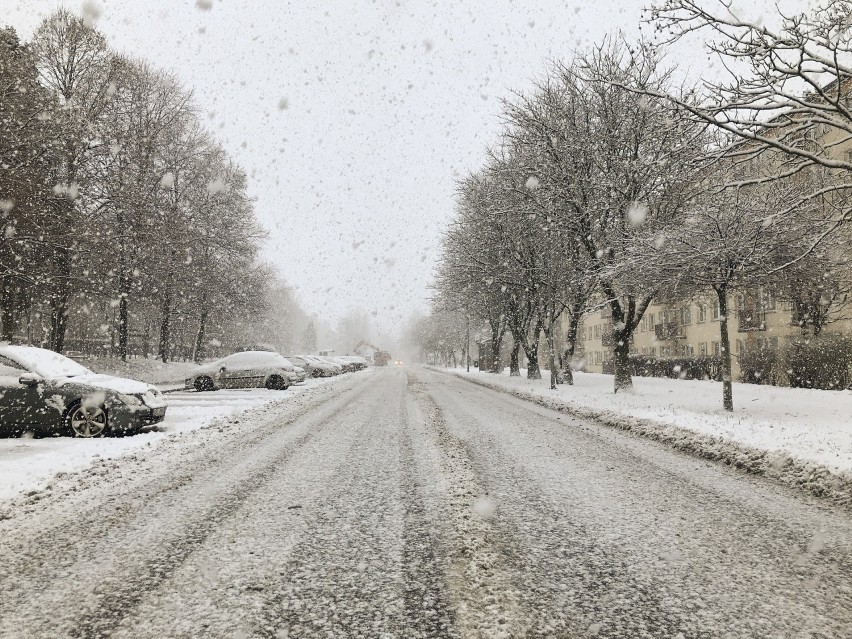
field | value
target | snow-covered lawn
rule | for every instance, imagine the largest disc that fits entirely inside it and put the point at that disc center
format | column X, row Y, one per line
column 30, row 464
column 807, row 425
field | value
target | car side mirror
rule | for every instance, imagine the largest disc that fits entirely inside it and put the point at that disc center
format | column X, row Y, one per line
column 30, row 379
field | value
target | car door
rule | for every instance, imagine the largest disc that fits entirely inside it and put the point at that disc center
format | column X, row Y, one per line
column 265, row 364
column 22, row 405
column 232, row 373
column 241, row 371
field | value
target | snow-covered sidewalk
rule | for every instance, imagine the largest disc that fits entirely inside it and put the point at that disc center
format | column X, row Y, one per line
column 800, row 436
column 28, row 465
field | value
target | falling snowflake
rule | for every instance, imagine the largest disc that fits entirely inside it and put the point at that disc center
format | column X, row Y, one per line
column 636, row 214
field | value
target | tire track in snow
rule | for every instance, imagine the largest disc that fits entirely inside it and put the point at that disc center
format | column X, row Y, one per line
column 569, row 583
column 479, row 570
column 114, row 569
column 427, row 610
column 653, row 538
column 346, row 577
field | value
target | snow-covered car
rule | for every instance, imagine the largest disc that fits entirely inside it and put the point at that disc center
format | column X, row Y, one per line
column 314, row 368
column 337, row 366
column 358, row 363
column 246, row 369
column 47, row 393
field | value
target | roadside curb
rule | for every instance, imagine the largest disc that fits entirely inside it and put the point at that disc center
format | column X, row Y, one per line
column 814, row 479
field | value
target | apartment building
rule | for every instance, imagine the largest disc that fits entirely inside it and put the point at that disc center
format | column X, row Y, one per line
column 691, row 328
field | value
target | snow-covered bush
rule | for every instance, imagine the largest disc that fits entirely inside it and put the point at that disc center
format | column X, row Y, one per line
column 762, row 364
column 823, row 362
column 696, row 367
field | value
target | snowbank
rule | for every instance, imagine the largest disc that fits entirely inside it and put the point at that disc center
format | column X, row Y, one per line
column 800, row 437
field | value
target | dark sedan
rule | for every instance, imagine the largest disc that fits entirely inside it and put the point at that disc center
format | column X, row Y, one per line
column 48, row 393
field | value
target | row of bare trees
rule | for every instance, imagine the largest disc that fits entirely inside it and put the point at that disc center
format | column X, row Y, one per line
column 125, row 224
column 612, row 186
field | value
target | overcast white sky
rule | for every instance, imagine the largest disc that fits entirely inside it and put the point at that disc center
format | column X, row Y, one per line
column 387, row 103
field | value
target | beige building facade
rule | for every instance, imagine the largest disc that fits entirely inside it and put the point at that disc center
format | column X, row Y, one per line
column 692, row 328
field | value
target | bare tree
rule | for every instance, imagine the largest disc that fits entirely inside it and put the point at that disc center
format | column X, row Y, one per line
column 617, row 160
column 786, row 98
column 74, row 64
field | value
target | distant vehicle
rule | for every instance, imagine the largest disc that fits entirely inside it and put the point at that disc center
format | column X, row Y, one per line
column 247, row 369
column 381, row 358
column 49, row 393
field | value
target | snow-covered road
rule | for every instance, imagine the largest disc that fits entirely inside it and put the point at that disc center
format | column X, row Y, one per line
column 410, row 503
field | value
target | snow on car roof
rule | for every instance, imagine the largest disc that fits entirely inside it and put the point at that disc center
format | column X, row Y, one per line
column 45, row 362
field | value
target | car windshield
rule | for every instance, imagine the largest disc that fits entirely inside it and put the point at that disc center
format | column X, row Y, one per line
column 44, row 362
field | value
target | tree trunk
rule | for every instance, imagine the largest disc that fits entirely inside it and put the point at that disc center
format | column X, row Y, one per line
column 59, row 302
column 123, row 324
column 165, row 319
column 551, row 354
column 725, row 347
column 571, row 346
column 198, row 348
column 165, row 328
column 514, row 363
column 621, row 361
column 59, row 320
column 496, row 342
column 8, row 302
column 533, row 370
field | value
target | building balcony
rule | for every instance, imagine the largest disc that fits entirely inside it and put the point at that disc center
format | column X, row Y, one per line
column 668, row 330
column 749, row 321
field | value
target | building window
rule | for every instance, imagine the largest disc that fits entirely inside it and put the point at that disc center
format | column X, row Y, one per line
column 702, row 348
column 651, row 323
column 598, row 358
column 715, row 314
column 689, row 350
column 717, row 348
column 702, row 313
column 652, row 351
column 686, row 315
column 597, row 331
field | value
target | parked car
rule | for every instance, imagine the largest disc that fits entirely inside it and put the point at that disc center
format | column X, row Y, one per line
column 48, row 393
column 314, row 368
column 358, row 363
column 347, row 366
column 247, row 369
column 298, row 374
column 328, row 360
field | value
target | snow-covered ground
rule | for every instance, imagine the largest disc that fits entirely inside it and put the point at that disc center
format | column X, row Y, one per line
column 812, row 427
column 28, row 465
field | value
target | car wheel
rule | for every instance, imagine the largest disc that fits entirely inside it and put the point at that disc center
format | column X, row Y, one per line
column 276, row 382
column 204, row 384
column 86, row 421
column 316, row 373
